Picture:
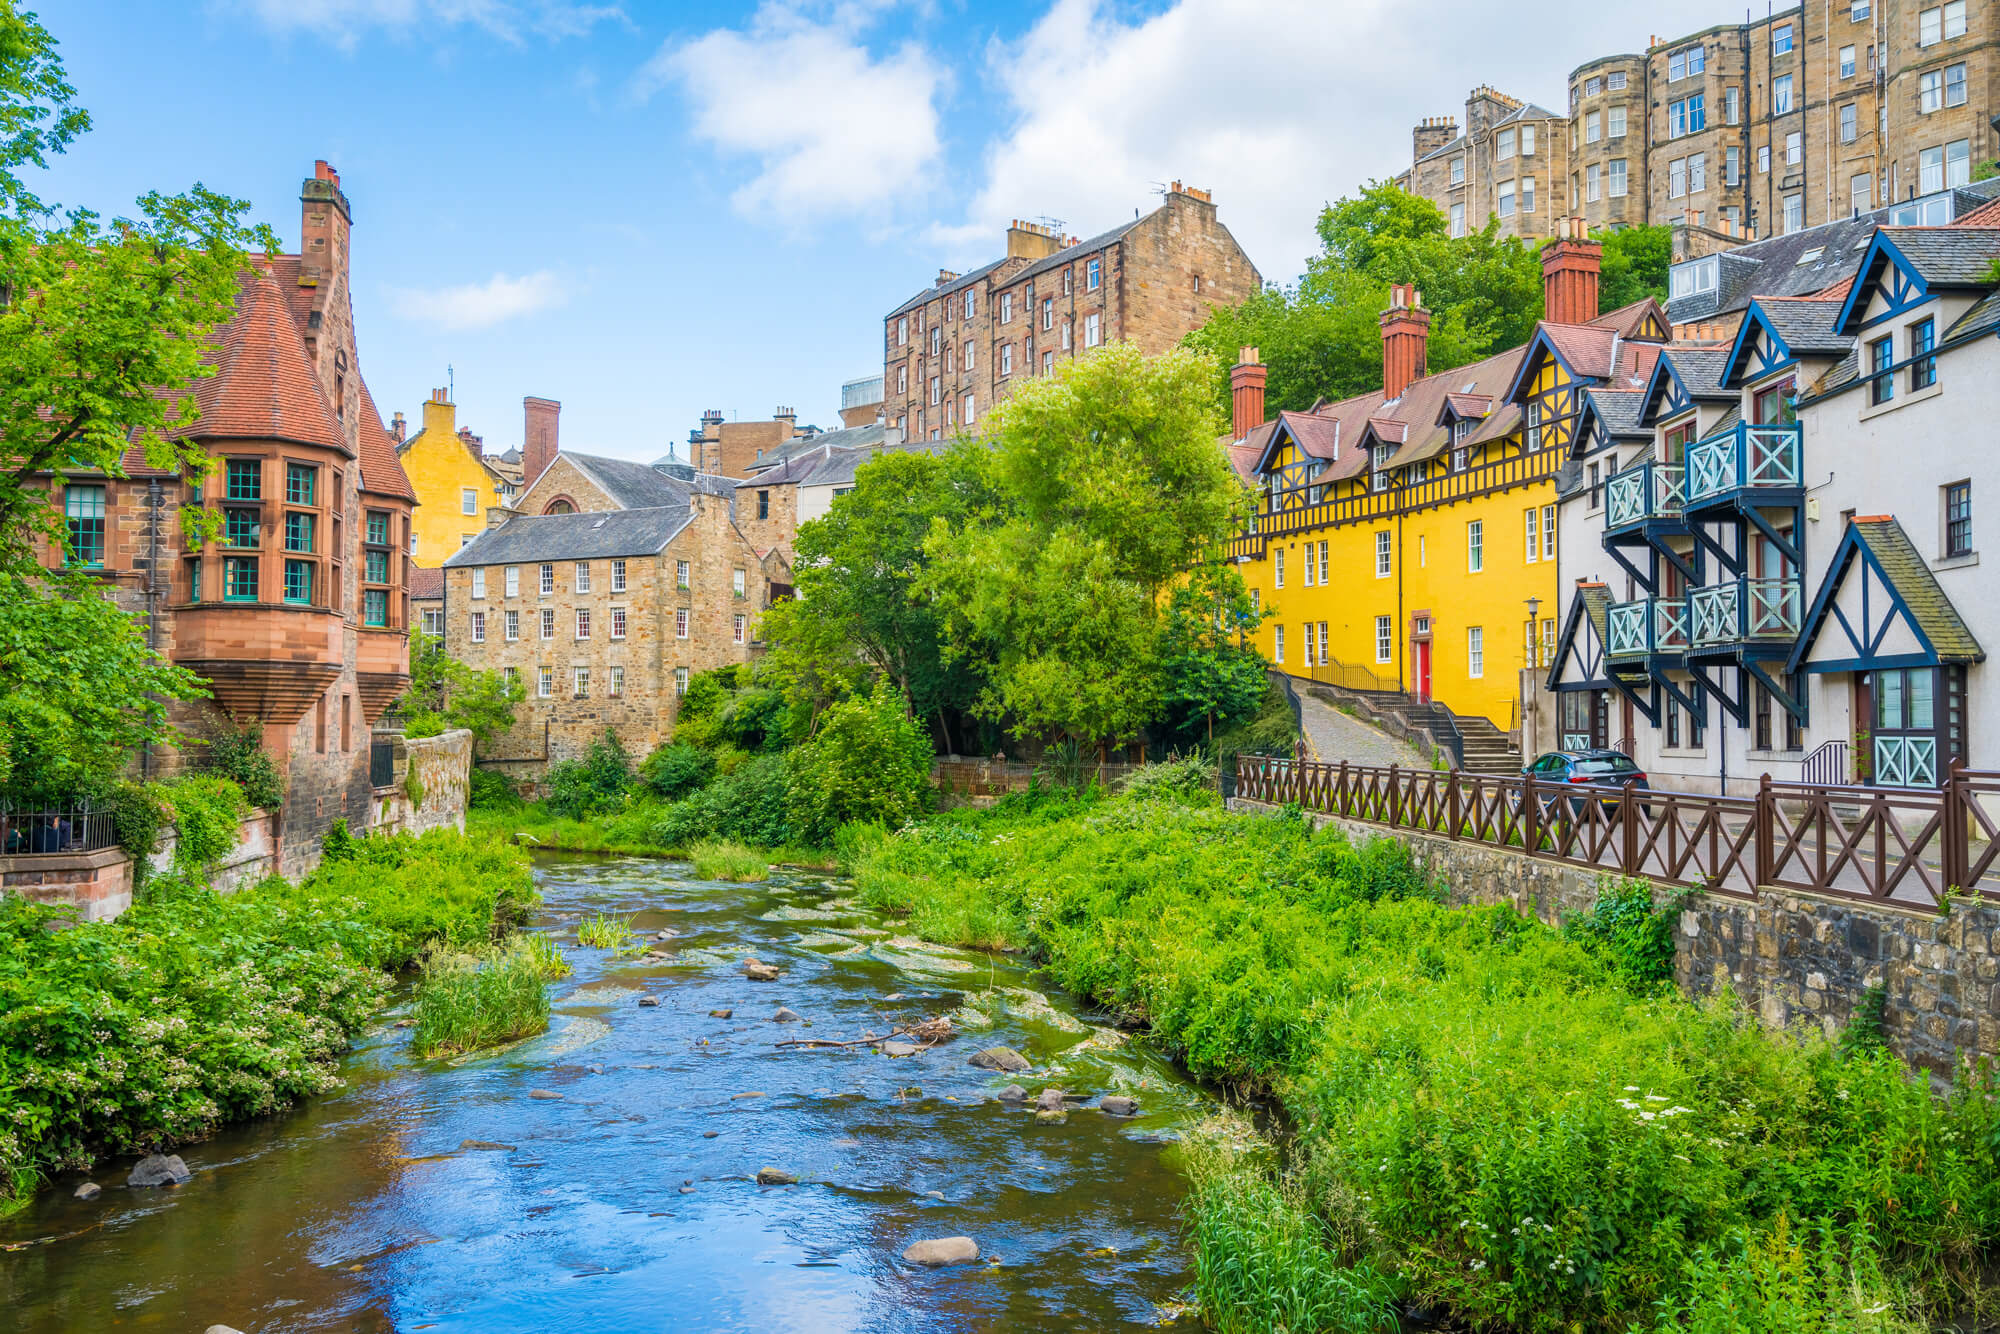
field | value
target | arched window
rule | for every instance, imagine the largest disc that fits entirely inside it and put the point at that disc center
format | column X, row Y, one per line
column 560, row 506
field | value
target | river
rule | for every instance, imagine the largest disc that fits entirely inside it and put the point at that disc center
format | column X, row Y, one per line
column 630, row 1202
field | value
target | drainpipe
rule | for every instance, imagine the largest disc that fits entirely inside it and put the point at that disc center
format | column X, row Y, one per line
column 155, row 501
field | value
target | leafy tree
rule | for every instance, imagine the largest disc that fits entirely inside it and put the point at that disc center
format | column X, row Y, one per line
column 1636, row 260
column 1212, row 679
column 677, row 770
column 446, row 693
column 237, row 753
column 597, row 782
column 869, row 761
column 1110, row 489
column 103, row 325
column 80, row 689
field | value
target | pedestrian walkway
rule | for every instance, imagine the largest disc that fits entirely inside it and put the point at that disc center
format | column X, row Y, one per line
column 1335, row 736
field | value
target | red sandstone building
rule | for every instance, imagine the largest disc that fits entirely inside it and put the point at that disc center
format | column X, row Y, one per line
column 298, row 617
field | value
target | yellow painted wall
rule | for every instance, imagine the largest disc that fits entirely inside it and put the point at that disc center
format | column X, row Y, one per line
column 440, row 469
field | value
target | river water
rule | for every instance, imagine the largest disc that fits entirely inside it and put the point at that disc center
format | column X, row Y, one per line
column 630, row 1203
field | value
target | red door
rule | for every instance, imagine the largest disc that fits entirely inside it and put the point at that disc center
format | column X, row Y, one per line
column 1423, row 655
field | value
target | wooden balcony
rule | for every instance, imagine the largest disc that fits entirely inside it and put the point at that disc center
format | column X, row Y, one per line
column 1649, row 627
column 1744, row 613
column 1746, row 465
column 1643, row 498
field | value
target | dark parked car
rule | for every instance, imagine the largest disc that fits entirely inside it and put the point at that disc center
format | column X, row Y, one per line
column 1603, row 768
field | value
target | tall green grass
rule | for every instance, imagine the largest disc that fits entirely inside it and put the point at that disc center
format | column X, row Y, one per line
column 1513, row 1123
column 469, row 1001
column 719, row 859
column 605, row 933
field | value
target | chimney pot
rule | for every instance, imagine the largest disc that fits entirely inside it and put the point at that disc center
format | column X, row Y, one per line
column 540, row 440
column 1406, row 330
column 1246, row 393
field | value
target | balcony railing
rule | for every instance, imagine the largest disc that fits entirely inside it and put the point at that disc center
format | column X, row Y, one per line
column 1744, row 458
column 1745, row 611
column 1650, row 625
column 1649, row 491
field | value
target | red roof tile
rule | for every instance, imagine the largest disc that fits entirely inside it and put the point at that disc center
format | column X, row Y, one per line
column 426, row 582
column 1986, row 215
column 264, row 387
column 381, row 468
column 1627, row 319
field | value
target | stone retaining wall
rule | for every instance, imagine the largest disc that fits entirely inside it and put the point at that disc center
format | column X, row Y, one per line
column 443, row 768
column 1792, row 958
column 964, row 781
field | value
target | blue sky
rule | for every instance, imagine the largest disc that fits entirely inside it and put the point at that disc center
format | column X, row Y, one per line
column 646, row 210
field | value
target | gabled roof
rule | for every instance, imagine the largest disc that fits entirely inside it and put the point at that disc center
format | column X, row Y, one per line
column 264, row 386
column 847, row 437
column 1983, row 317
column 1070, row 254
column 426, row 582
column 1693, row 372
column 630, row 484
column 1920, row 626
column 1464, row 407
column 1630, row 320
column 586, row 535
column 1587, row 352
column 958, row 284
column 1928, row 258
column 1616, row 411
column 1795, row 326
column 381, row 468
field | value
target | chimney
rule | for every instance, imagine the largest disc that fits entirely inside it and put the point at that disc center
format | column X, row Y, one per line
column 1570, row 266
column 397, row 427
column 539, row 444
column 1246, row 392
column 472, row 442
column 1031, row 240
column 946, row 276
column 1406, row 328
column 711, row 425
column 440, row 418
column 790, row 418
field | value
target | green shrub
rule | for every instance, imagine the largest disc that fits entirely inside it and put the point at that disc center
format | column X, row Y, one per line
column 466, row 1001
column 237, row 753
column 598, row 782
column 1185, row 780
column 1635, row 935
column 490, row 790
column 869, row 761
column 749, row 806
column 677, row 770
column 723, row 860
column 442, row 887
column 207, row 813
column 542, row 953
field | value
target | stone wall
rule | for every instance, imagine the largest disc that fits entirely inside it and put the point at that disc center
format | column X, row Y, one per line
column 99, row 884
column 442, row 766
column 964, row 781
column 1793, row 959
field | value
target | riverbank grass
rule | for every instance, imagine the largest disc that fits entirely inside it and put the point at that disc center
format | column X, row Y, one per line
column 719, row 859
column 605, row 933
column 469, row 1001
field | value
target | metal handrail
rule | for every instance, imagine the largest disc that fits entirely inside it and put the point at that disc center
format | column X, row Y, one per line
column 41, row 830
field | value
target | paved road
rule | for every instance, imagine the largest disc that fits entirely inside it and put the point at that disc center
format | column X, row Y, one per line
column 1334, row 736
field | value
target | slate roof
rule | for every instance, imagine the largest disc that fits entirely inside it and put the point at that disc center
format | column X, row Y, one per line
column 630, row 484
column 1911, row 577
column 1806, row 324
column 587, row 535
column 1070, row 254
column 1983, row 317
column 426, row 582
column 1947, row 256
column 1619, row 410
column 1700, row 370
column 1627, row 318
column 936, row 290
column 847, row 437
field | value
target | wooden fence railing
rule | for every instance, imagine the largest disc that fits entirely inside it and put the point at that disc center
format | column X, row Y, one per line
column 1902, row 846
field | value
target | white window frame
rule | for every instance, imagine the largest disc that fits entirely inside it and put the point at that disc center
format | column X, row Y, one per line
column 616, row 686
column 510, row 579
column 583, row 622
column 1277, row 641
column 548, row 580
column 1534, row 534
column 1475, row 652
column 1848, row 57
column 479, row 583
column 548, row 622
column 680, row 682
column 511, row 625
column 580, row 682
column 1620, row 179
column 1781, row 39
column 1475, row 546
column 583, row 576
column 1093, row 329
column 742, row 623
column 739, row 583
column 1384, row 554
column 1385, row 639
column 618, row 576
column 618, row 622
column 1548, row 532
column 680, row 622
column 545, row 682
column 477, row 622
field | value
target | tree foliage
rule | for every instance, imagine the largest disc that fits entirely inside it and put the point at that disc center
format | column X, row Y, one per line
column 1635, row 264
column 869, row 761
column 446, row 693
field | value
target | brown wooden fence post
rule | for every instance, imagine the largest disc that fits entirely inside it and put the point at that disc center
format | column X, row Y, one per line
column 1628, row 811
column 1395, row 796
column 1340, row 791
column 1954, row 829
column 1767, row 831
column 1531, row 814
column 1451, row 804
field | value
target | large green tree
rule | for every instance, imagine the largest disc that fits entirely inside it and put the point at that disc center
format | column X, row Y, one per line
column 103, row 324
column 1635, row 264
column 445, row 693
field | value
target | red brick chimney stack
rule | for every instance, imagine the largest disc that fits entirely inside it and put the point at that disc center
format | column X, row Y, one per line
column 1246, row 393
column 539, row 442
column 1406, row 329
column 472, row 442
column 1571, row 264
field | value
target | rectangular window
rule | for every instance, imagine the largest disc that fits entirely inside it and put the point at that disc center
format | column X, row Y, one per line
column 1794, row 148
column 1383, row 554
column 299, row 582
column 617, row 681
column 1527, row 194
column 1548, row 532
column 1614, row 123
column 1615, row 80
column 1527, row 141
column 548, row 573
column 375, row 606
column 545, row 682
column 1857, row 11
column 583, row 576
column 1591, row 189
column 1322, row 561
column 478, row 623
column 1277, row 643
column 468, row 500
column 1795, row 213
column 1278, row 567
column 1881, row 356
column 1850, row 124
column 1697, row 173
column 1954, row 85
column 1475, row 546
column 511, row 578
column 239, row 528
column 1385, row 638
column 1458, row 218
column 741, row 622
column 1048, row 366
column 1732, row 166
column 617, row 622
column 300, row 483
column 1930, row 27
column 239, row 579
column 375, row 567
column 583, row 622
column 1930, row 92
column 1006, row 308
column 582, row 678
column 1763, row 157
column 298, row 532
column 680, row 623
column 1781, row 39
column 1458, row 171
column 1534, row 524
column 548, row 622
column 1732, row 106
column 1504, row 148
column 1506, row 205
column 1677, row 181
column 83, row 512
column 479, row 583
column 1930, row 170
column 1957, row 163
column 1923, row 364
column 1475, row 652
column 1618, row 186
column 512, row 624
column 1861, row 192
column 1846, row 62
column 1958, row 519
column 246, row 480
column 378, row 528
column 1006, row 358
column 680, row 574
column 1093, row 275
column 736, row 582
column 1093, row 330
column 1593, row 127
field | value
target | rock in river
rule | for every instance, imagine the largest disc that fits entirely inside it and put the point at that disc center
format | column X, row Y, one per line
column 1048, row 1117
column 484, row 1145
column 222, row 1329
column 1000, row 1058
column 721, row 1014
column 544, row 1095
column 1120, row 1106
column 898, row 1049
column 785, row 1016
column 1049, row 1100
column 1013, row 1093
column 649, row 1000
column 159, row 1170
column 761, row 972
column 940, row 1251
column 776, row 1176
column 89, row 1190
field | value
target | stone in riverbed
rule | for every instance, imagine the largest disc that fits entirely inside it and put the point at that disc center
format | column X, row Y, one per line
column 1004, row 1059
column 937, row 1252
column 544, row 1095
column 222, row 1329
column 721, row 1014
column 1046, row 1117
column 761, row 972
column 467, row 1145
column 776, row 1176
column 1049, row 1100
column 1013, row 1093
column 898, row 1049
column 649, row 1000
column 89, row 1190
column 159, row 1170
column 786, row 1016
column 1120, row 1106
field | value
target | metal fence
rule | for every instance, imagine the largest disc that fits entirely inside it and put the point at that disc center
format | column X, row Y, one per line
column 27, row 832
column 1908, row 847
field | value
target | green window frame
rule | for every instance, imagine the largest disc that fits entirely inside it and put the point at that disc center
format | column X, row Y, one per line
column 194, row 580
column 375, row 606
column 301, row 482
column 299, row 582
column 298, row 532
column 239, row 528
column 378, row 567
column 378, row 527
column 83, row 508
column 246, row 479
column 239, row 579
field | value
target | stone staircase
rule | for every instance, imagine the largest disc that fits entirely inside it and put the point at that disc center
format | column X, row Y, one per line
column 1488, row 749
column 1430, row 727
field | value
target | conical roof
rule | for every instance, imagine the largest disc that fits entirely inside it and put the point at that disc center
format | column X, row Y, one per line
column 264, row 387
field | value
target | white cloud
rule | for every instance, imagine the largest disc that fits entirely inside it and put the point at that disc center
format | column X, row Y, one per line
column 480, row 305
column 835, row 128
column 1276, row 107
column 514, row 20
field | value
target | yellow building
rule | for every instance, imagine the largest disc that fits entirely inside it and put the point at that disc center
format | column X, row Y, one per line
column 1406, row 539
column 454, row 480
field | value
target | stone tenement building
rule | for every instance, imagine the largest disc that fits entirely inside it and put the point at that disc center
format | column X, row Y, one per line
column 954, row 350
column 602, row 616
column 1511, row 162
column 298, row 617
column 1769, row 126
column 726, row 449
